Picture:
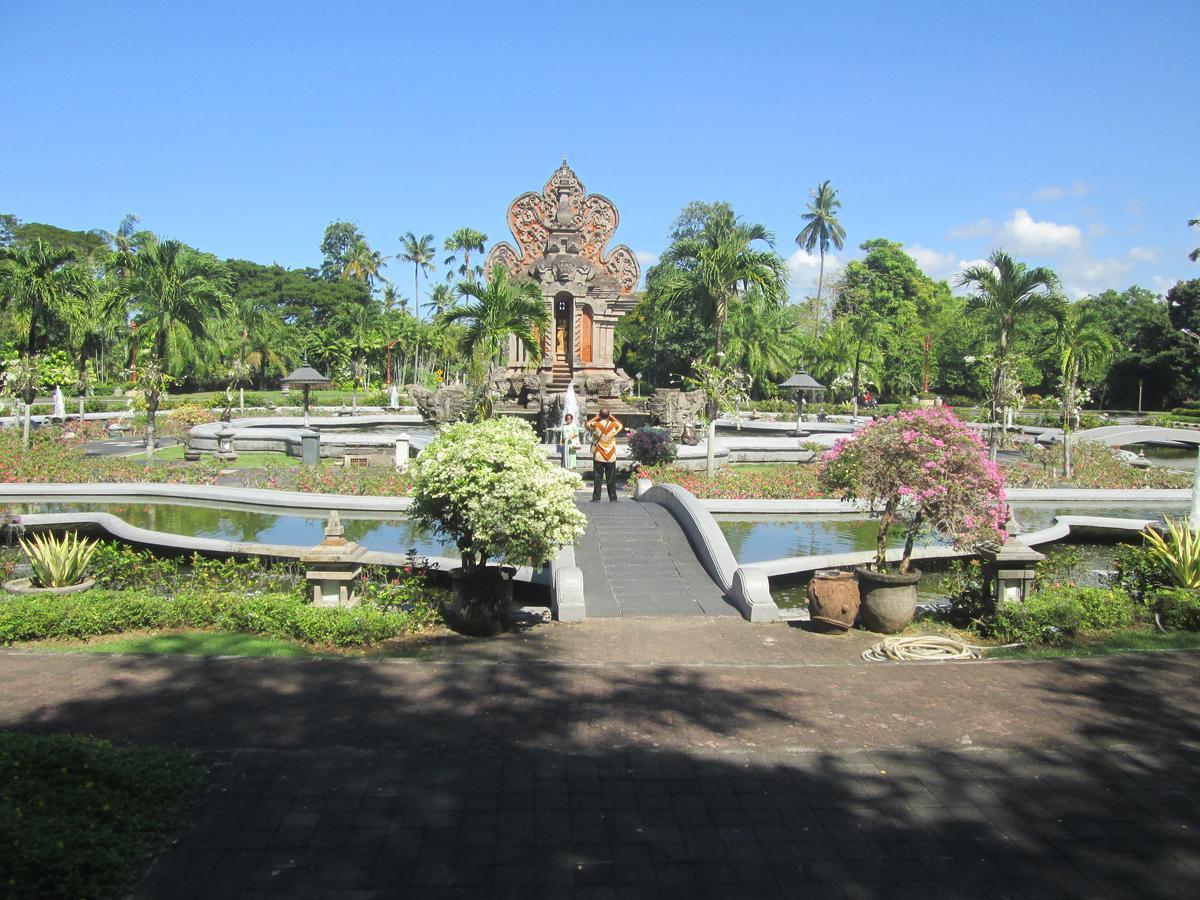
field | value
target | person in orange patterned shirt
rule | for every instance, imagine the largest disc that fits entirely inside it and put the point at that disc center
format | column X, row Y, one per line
column 605, row 427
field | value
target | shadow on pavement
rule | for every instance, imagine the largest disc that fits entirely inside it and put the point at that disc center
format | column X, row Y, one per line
column 339, row 778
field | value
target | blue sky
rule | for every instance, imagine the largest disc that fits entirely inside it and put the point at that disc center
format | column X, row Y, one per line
column 1066, row 133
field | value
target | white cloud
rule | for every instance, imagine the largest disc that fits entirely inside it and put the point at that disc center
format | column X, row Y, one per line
column 1025, row 234
column 1098, row 230
column 1054, row 192
column 932, row 263
column 977, row 229
column 646, row 258
column 958, row 269
column 804, row 268
column 1142, row 254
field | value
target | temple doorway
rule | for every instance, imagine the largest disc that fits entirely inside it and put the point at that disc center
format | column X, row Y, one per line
column 563, row 308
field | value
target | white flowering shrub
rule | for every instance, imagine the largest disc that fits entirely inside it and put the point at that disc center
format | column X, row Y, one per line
column 489, row 486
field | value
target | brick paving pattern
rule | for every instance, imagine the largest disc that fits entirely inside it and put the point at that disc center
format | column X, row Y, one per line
column 502, row 770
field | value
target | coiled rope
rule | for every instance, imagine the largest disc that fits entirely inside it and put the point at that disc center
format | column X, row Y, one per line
column 925, row 648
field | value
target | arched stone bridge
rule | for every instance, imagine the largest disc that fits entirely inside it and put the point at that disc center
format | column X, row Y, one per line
column 1120, row 435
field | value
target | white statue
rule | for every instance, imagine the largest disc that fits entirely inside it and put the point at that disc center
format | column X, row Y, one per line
column 60, row 404
column 393, row 397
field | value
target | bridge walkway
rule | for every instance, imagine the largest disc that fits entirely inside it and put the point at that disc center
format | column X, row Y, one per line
column 637, row 562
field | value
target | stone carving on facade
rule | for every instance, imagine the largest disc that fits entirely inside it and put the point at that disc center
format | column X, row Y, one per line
column 565, row 219
column 674, row 409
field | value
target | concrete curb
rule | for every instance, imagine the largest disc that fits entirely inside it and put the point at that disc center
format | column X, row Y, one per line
column 36, row 492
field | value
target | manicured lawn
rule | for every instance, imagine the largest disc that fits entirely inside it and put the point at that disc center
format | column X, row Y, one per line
column 78, row 815
column 251, row 459
column 192, row 643
column 1124, row 640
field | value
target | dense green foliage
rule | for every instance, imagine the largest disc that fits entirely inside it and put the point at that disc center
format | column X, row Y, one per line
column 1178, row 608
column 78, row 815
column 98, row 612
column 1055, row 615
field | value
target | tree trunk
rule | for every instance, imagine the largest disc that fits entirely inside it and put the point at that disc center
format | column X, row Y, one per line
column 151, row 414
column 885, row 525
column 820, row 284
column 906, row 559
column 25, row 423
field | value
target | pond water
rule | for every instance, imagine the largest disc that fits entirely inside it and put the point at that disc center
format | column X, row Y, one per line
column 304, row 528
column 1180, row 458
column 759, row 538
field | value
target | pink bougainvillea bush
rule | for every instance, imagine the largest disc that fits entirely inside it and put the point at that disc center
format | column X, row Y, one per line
column 923, row 471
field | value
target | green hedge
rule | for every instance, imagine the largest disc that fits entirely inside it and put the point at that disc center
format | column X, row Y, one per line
column 1055, row 615
column 97, row 612
column 1178, row 608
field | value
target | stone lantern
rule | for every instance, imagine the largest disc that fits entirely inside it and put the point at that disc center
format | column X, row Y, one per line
column 225, row 450
column 305, row 377
column 1009, row 572
column 806, row 388
column 333, row 565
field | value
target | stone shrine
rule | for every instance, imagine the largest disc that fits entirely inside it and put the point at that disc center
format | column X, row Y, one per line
column 562, row 234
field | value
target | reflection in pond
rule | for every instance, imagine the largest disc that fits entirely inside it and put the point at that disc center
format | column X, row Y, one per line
column 757, row 538
column 395, row 534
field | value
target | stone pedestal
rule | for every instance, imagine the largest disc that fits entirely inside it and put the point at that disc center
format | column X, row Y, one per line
column 403, row 442
column 310, row 448
column 333, row 566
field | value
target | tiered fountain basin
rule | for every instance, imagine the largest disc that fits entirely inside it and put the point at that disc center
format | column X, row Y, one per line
column 369, row 435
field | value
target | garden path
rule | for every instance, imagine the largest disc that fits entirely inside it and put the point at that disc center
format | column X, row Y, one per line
column 636, row 561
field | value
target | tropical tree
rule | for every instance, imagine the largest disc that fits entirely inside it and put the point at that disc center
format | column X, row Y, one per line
column 339, row 237
column 362, row 263
column 176, row 295
column 717, row 266
column 491, row 312
column 1194, row 256
column 440, row 297
column 420, row 252
column 1085, row 344
column 821, row 230
column 393, row 299
column 465, row 241
column 763, row 339
column 42, row 286
column 361, row 326
column 1002, row 291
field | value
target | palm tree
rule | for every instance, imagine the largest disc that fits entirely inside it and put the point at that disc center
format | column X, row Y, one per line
column 440, row 298
column 177, row 295
column 1002, row 290
column 465, row 241
column 360, row 323
column 1085, row 341
column 43, row 286
column 762, row 338
column 493, row 311
column 712, row 269
column 1194, row 256
column 418, row 251
column 362, row 263
column 823, row 229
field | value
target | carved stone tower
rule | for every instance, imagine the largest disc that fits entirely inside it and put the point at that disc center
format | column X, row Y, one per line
column 562, row 234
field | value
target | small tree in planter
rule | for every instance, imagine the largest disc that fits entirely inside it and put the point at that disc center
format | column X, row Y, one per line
column 922, row 471
column 489, row 486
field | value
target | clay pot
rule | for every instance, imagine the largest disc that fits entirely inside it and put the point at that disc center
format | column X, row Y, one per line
column 482, row 603
column 833, row 600
column 889, row 601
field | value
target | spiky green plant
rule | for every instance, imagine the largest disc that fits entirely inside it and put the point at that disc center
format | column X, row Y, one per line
column 58, row 562
column 1179, row 551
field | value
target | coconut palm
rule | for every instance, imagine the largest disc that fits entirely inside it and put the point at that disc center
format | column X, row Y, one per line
column 823, row 229
column 440, row 298
column 362, row 263
column 491, row 312
column 176, row 295
column 1085, row 342
column 42, row 286
column 418, row 251
column 1003, row 290
column 465, row 241
column 1194, row 256
column 711, row 270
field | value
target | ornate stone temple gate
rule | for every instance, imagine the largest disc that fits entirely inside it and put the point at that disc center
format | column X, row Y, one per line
column 562, row 234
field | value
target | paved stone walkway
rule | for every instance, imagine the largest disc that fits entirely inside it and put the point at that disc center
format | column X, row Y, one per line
column 516, row 772
column 636, row 561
